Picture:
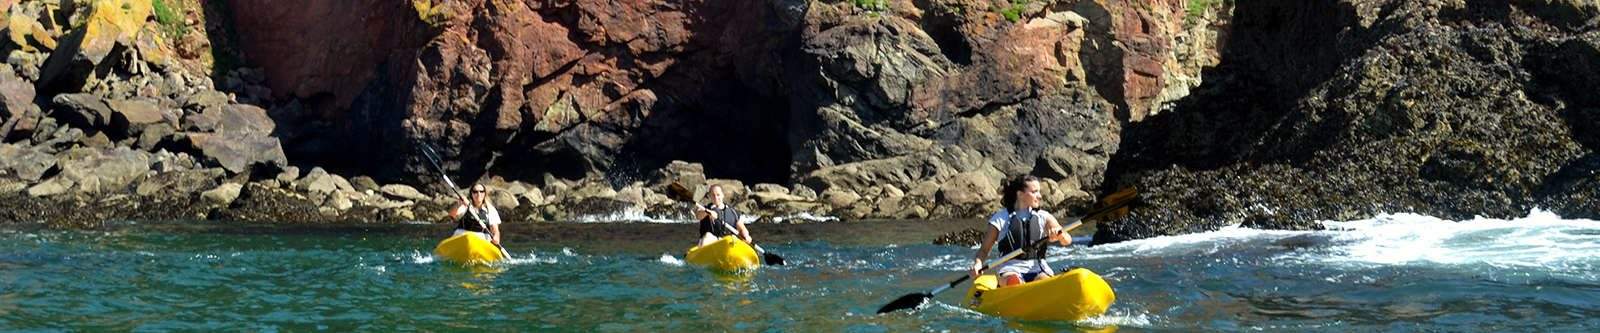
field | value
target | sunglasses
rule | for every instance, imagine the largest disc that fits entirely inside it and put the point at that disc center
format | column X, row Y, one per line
column 478, row 191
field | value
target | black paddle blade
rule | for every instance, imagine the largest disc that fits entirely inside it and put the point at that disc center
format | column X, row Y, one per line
column 909, row 301
column 772, row 259
column 676, row 191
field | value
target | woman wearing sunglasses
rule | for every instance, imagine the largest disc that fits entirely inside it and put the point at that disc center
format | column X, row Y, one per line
column 481, row 217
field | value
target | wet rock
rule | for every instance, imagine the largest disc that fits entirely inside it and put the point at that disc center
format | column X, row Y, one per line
column 222, row 195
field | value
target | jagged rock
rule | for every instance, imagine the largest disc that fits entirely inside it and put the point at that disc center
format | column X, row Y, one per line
column 24, row 162
column 222, row 195
column 153, row 135
column 238, row 152
column 363, row 184
column 95, row 171
column 733, row 189
column 109, row 23
column 592, row 189
column 82, row 110
column 205, row 100
column 129, row 117
column 20, row 116
column 404, row 192
column 98, row 140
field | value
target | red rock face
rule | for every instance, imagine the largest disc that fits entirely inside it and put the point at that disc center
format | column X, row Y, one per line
column 571, row 86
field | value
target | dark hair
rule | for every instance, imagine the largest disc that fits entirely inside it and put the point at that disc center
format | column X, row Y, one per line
column 1008, row 193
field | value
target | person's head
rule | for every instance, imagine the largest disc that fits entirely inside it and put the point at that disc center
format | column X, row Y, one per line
column 714, row 193
column 480, row 194
column 1021, row 192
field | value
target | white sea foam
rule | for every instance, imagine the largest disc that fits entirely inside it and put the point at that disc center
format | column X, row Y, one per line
column 670, row 260
column 1541, row 240
column 417, row 257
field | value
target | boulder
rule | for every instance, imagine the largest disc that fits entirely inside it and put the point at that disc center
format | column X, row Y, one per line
column 96, row 171
column 238, row 152
column 970, row 188
column 82, row 110
column 770, row 188
column 840, row 198
column 18, row 115
column 504, row 200
column 222, row 195
column 24, row 162
column 130, row 117
column 363, row 184
column 339, row 201
column 803, row 191
column 205, row 99
column 244, row 118
column 403, row 192
column 316, row 181
column 54, row 186
column 288, row 174
column 691, row 175
column 533, row 197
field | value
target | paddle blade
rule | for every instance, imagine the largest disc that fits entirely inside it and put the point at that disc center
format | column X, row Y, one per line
column 909, row 301
column 676, row 191
column 772, row 259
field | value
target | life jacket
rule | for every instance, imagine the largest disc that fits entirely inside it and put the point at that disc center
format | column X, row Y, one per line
column 470, row 221
column 725, row 217
column 1020, row 232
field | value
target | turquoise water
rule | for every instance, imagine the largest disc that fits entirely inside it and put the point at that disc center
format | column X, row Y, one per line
column 1392, row 273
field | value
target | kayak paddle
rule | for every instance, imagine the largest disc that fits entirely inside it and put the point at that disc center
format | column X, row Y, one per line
column 433, row 159
column 914, row 300
column 680, row 193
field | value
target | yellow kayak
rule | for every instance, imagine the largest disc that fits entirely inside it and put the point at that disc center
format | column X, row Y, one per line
column 1074, row 295
column 726, row 254
column 468, row 248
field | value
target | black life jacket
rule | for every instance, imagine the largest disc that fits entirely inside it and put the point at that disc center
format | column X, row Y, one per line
column 470, row 222
column 1020, row 232
column 726, row 217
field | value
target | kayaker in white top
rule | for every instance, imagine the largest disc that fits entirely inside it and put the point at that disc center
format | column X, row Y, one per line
column 1018, row 224
column 489, row 226
column 717, row 218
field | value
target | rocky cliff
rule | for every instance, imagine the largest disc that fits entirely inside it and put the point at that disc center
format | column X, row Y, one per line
column 1271, row 114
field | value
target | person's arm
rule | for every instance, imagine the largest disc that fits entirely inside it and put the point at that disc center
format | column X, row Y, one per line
column 494, row 234
column 989, row 237
column 1053, row 227
column 457, row 212
column 744, row 233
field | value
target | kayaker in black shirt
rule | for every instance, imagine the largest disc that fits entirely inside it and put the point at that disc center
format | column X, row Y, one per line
column 717, row 218
column 489, row 227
